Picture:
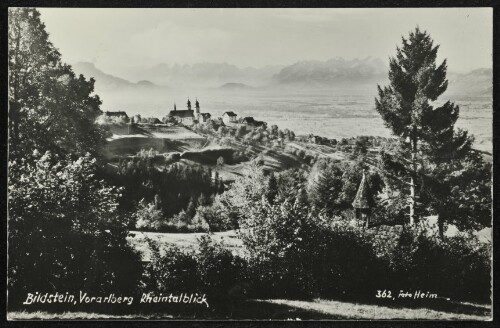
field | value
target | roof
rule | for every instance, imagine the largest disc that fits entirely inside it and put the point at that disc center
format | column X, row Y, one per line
column 230, row 114
column 249, row 119
column 181, row 113
column 120, row 113
column 363, row 196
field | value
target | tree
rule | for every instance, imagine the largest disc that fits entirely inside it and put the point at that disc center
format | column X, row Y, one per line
column 220, row 162
column 332, row 186
column 430, row 150
column 361, row 145
column 272, row 188
column 49, row 107
column 246, row 189
column 64, row 227
column 148, row 216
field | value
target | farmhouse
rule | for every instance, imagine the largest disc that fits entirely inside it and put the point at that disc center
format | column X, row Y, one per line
column 204, row 117
column 229, row 118
column 120, row 115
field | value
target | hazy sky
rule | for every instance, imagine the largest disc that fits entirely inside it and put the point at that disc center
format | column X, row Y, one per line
column 115, row 39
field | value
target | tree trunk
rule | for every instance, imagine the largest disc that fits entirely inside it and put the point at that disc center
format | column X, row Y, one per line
column 412, row 201
column 440, row 223
column 412, row 179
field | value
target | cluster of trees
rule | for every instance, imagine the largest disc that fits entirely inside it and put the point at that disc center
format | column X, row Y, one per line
column 65, row 231
column 288, row 226
column 168, row 196
column 248, row 133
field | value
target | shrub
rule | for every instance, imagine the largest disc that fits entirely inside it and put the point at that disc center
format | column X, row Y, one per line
column 294, row 253
column 457, row 267
column 219, row 270
column 173, row 271
column 64, row 227
column 213, row 271
column 148, row 216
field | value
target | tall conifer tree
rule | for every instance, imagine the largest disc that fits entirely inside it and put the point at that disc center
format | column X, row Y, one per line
column 431, row 151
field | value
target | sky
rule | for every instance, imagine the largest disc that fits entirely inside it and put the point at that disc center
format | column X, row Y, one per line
column 117, row 39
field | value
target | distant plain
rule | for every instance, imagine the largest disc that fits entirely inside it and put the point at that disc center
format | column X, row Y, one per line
column 331, row 113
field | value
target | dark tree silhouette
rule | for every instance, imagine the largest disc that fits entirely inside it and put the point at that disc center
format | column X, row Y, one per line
column 431, row 152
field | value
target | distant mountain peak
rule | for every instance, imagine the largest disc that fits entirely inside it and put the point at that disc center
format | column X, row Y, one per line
column 235, row 86
column 334, row 71
column 106, row 81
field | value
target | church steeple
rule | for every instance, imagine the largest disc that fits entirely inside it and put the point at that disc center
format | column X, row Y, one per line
column 189, row 104
column 175, row 107
column 197, row 105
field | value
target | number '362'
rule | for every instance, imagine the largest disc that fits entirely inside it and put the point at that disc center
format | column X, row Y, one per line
column 383, row 294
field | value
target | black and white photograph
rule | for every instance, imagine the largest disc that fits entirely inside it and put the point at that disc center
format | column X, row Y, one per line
column 250, row 164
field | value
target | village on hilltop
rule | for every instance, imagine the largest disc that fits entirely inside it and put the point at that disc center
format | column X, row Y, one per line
column 185, row 117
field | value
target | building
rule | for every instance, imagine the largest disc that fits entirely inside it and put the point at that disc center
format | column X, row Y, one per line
column 229, row 118
column 188, row 116
column 197, row 110
column 204, row 117
column 251, row 121
column 363, row 201
column 120, row 115
column 185, row 117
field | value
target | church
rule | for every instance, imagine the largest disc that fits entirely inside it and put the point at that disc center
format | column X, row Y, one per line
column 188, row 116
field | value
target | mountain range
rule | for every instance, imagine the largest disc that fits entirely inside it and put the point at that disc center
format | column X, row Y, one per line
column 334, row 73
column 478, row 82
column 108, row 82
column 205, row 75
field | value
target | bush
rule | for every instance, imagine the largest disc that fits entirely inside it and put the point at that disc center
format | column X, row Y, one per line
column 148, row 216
column 213, row 271
column 220, row 272
column 64, row 227
column 295, row 254
column 349, row 266
column 171, row 272
column 457, row 267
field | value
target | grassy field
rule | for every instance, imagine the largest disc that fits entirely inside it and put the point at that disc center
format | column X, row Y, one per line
column 163, row 139
column 184, row 241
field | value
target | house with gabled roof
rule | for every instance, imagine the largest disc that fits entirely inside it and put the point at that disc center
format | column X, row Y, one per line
column 229, row 118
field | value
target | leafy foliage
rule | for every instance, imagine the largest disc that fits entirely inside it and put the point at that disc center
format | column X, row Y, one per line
column 458, row 267
column 64, row 232
column 332, row 185
column 49, row 107
column 176, row 185
column 214, row 271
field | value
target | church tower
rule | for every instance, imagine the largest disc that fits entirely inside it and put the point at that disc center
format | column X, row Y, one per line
column 197, row 110
column 189, row 104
